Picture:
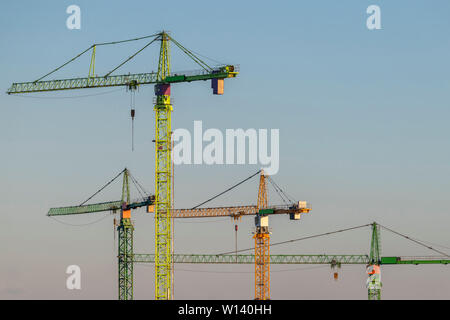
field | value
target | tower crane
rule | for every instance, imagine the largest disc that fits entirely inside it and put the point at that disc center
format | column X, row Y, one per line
column 371, row 261
column 162, row 79
column 127, row 257
column 125, row 228
column 261, row 212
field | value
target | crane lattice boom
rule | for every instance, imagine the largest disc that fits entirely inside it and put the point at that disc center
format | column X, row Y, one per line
column 121, row 80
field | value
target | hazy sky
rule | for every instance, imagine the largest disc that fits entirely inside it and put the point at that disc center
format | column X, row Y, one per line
column 364, row 136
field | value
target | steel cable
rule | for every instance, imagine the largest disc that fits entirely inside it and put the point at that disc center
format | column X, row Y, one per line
column 413, row 240
column 103, row 187
column 299, row 239
column 229, row 189
column 98, row 44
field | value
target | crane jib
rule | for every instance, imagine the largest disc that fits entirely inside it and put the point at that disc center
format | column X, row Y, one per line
column 113, row 81
column 98, row 207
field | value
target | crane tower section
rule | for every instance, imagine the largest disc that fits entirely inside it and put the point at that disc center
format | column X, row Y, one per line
column 262, row 244
column 163, row 177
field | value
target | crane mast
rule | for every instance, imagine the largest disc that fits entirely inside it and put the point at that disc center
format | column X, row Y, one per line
column 125, row 244
column 163, row 177
column 262, row 244
column 125, row 255
column 373, row 268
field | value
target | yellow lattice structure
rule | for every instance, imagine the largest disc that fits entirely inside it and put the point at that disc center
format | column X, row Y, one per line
column 262, row 244
column 262, row 266
column 262, row 192
column 163, row 178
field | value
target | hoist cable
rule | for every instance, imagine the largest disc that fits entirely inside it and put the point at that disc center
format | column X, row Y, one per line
column 97, row 44
column 140, row 191
column 131, row 57
column 434, row 244
column 54, row 70
column 132, row 107
column 279, row 193
column 413, row 240
column 101, row 189
column 142, row 188
column 281, row 190
column 80, row 225
column 299, row 239
column 213, row 60
column 229, row 189
column 196, row 59
column 122, row 41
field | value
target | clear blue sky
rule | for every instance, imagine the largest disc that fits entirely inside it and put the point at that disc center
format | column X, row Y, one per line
column 364, row 135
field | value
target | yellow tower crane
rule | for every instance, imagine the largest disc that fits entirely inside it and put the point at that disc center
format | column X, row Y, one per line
column 162, row 80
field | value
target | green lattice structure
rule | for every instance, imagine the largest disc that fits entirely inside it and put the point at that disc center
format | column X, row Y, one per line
column 374, row 282
column 125, row 259
column 125, row 230
column 89, row 208
column 250, row 259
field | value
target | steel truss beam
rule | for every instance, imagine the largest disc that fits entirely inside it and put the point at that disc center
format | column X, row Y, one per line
column 250, row 259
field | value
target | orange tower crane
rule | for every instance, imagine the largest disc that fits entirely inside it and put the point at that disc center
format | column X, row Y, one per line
column 261, row 211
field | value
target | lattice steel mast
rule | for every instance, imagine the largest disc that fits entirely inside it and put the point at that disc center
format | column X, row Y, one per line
column 125, row 244
column 262, row 244
column 163, row 177
column 373, row 268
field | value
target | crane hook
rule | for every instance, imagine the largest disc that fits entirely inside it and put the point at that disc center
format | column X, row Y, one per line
column 132, row 87
column 133, row 113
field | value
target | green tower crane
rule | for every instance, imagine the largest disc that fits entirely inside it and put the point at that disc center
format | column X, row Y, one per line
column 162, row 80
column 125, row 228
column 371, row 260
